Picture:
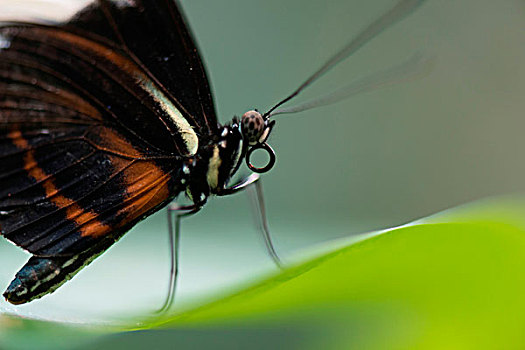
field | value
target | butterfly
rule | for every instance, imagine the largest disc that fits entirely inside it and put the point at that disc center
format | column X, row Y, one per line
column 108, row 117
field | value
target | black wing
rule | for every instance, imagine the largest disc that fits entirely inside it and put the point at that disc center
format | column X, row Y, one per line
column 156, row 34
column 90, row 143
column 72, row 171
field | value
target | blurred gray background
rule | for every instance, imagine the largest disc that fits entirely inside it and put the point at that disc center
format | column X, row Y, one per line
column 377, row 160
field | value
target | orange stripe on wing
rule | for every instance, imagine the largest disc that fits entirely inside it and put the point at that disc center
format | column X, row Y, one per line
column 146, row 183
column 112, row 141
column 147, row 187
column 74, row 213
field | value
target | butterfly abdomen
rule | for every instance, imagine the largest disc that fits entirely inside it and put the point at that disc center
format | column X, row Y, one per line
column 41, row 276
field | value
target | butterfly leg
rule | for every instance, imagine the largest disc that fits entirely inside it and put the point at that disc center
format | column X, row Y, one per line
column 253, row 182
column 175, row 213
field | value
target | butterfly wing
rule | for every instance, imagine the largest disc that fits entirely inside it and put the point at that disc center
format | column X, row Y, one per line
column 90, row 143
column 73, row 145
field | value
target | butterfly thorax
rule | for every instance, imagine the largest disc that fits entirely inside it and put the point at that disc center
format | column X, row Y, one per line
column 212, row 167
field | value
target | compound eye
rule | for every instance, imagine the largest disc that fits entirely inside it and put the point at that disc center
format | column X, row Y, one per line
column 253, row 127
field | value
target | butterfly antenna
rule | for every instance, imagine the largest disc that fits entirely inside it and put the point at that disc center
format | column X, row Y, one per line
column 411, row 69
column 398, row 12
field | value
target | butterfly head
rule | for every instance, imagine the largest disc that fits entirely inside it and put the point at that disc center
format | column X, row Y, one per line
column 255, row 129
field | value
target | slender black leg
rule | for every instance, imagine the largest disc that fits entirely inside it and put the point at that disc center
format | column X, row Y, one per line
column 174, row 216
column 254, row 181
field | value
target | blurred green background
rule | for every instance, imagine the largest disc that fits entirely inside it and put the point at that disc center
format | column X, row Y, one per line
column 377, row 160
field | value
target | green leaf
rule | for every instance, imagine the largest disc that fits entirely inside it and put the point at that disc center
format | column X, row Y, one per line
column 454, row 281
